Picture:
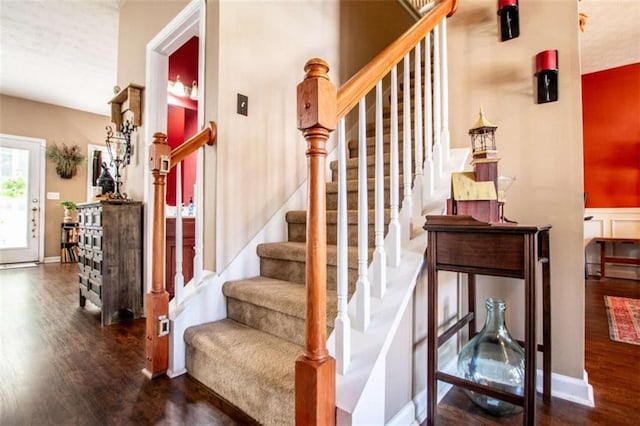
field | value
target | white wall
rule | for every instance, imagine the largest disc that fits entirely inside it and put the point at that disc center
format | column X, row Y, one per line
column 139, row 22
column 261, row 157
column 540, row 144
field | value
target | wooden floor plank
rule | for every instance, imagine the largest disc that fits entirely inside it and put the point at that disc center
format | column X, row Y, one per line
column 613, row 368
column 59, row 366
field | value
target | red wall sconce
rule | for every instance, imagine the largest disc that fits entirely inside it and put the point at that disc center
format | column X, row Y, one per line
column 547, row 74
column 509, row 19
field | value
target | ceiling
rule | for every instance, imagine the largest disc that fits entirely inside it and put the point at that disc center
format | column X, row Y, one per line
column 612, row 35
column 64, row 52
column 61, row 52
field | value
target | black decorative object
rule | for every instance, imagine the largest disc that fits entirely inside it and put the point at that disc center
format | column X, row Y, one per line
column 547, row 73
column 105, row 180
column 509, row 19
column 120, row 150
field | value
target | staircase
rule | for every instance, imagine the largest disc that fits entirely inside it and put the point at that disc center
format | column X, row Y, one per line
column 270, row 356
column 249, row 358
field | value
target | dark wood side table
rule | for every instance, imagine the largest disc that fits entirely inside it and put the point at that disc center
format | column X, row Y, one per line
column 463, row 244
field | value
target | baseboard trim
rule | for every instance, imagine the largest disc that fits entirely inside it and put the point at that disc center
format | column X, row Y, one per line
column 568, row 388
column 420, row 400
column 173, row 374
column 406, row 416
column 52, row 259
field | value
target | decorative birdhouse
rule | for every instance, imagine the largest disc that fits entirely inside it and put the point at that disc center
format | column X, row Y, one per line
column 476, row 193
column 483, row 135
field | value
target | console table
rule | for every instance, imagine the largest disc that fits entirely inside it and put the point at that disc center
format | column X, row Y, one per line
column 463, row 244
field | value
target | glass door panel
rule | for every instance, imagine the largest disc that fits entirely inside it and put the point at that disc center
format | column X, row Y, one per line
column 19, row 199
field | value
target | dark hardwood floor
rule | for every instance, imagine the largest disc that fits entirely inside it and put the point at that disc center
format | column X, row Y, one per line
column 58, row 366
column 613, row 368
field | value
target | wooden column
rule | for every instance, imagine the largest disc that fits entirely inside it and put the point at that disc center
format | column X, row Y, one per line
column 315, row 369
column 157, row 346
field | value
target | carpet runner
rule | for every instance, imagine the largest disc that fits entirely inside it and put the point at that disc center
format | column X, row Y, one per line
column 624, row 319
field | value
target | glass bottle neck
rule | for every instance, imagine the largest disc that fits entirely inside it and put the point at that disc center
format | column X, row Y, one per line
column 495, row 314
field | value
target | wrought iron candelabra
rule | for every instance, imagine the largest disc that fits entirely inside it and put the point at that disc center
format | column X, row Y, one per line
column 120, row 150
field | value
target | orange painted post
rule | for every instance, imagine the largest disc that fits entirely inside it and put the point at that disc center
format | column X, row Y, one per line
column 315, row 369
column 157, row 311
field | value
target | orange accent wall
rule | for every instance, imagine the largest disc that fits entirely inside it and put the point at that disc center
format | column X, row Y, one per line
column 611, row 132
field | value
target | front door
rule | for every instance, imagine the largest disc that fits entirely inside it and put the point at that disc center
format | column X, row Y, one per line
column 20, row 160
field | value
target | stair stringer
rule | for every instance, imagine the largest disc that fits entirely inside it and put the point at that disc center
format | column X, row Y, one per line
column 360, row 394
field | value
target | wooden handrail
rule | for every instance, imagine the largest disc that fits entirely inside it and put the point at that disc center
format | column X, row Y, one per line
column 364, row 80
column 162, row 158
column 208, row 136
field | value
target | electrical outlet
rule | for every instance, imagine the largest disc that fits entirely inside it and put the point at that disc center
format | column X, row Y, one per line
column 243, row 105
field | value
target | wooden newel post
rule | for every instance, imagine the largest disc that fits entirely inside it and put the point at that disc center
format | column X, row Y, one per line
column 157, row 310
column 315, row 369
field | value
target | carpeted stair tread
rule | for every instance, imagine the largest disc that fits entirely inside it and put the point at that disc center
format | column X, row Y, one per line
column 353, row 149
column 300, row 216
column 352, row 163
column 293, row 251
column 352, row 185
column 297, row 225
column 386, row 124
column 252, row 369
column 282, row 296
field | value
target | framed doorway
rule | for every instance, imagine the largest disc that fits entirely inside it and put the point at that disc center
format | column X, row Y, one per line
column 21, row 195
column 190, row 22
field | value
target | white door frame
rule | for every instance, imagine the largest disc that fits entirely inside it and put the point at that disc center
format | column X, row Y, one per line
column 41, row 173
column 191, row 21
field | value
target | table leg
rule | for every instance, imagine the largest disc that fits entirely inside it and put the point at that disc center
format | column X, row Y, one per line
column 530, row 345
column 545, row 258
column 432, row 330
column 603, row 253
column 471, row 289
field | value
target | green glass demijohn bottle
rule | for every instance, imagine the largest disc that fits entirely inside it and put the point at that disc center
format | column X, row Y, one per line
column 493, row 358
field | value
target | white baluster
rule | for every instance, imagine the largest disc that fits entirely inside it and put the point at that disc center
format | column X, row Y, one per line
column 444, row 68
column 199, row 220
column 178, row 286
column 428, row 122
column 407, row 205
column 437, row 99
column 417, row 110
column 393, row 238
column 343, row 323
column 379, row 254
column 363, row 288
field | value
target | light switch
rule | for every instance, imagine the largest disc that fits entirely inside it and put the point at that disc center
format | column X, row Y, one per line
column 53, row 195
column 243, row 105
